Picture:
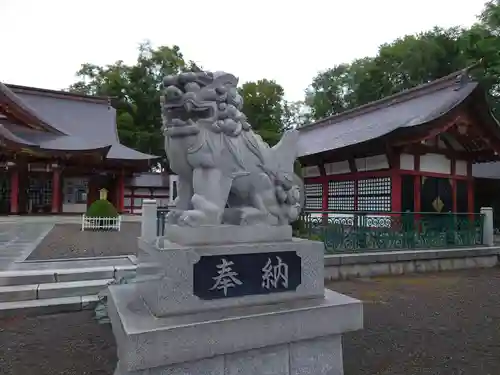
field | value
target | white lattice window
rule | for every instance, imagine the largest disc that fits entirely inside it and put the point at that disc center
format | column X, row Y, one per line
column 374, row 194
column 341, row 188
column 341, row 195
column 314, row 196
column 341, row 203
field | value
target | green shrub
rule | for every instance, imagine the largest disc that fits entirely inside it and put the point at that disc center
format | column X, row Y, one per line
column 102, row 208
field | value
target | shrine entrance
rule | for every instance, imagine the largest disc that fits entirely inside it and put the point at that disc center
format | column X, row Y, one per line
column 39, row 193
column 437, row 195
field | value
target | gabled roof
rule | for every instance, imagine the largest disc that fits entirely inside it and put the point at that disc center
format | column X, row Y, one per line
column 49, row 141
column 9, row 99
column 71, row 122
column 408, row 109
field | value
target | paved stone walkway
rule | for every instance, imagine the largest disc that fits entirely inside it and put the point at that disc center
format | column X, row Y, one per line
column 18, row 240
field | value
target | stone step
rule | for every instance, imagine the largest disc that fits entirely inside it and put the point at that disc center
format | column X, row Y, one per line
column 20, row 309
column 72, row 288
column 52, row 290
column 8, row 278
column 43, row 276
column 15, row 293
column 74, row 263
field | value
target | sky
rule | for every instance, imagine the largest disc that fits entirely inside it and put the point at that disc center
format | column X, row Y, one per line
column 45, row 42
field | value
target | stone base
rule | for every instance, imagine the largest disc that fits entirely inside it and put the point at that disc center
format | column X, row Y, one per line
column 168, row 275
column 300, row 337
column 322, row 356
column 226, row 234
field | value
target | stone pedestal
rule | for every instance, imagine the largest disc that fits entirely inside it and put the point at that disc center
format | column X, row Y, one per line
column 488, row 230
column 229, row 306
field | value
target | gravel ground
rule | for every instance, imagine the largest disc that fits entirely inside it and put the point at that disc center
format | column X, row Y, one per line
column 69, row 344
column 68, row 241
column 441, row 324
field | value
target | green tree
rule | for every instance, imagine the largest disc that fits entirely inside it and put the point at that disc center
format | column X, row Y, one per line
column 402, row 64
column 295, row 114
column 417, row 59
column 135, row 90
column 266, row 109
column 490, row 17
column 343, row 87
column 410, row 61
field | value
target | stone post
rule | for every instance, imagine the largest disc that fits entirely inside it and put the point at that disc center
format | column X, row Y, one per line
column 173, row 186
column 487, row 226
column 148, row 220
column 14, row 190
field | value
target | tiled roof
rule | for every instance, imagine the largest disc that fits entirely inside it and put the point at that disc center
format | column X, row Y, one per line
column 407, row 109
column 48, row 141
column 8, row 97
column 74, row 122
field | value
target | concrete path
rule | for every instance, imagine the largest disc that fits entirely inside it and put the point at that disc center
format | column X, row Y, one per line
column 18, row 240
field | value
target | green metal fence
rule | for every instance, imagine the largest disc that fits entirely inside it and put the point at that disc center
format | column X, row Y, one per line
column 363, row 231
column 349, row 231
column 161, row 214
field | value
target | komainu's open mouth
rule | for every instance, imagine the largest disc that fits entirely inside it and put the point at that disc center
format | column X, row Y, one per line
column 194, row 114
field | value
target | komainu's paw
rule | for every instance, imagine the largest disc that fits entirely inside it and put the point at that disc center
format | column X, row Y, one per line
column 192, row 218
column 173, row 216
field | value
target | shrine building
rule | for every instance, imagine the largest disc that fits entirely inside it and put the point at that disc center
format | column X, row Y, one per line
column 415, row 151
column 59, row 149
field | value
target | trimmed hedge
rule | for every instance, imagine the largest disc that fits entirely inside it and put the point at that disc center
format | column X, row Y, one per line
column 102, row 208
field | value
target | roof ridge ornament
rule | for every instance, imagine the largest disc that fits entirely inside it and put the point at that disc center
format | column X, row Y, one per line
column 462, row 80
column 464, row 77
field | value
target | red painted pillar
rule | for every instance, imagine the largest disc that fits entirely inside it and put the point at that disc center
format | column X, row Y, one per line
column 56, row 190
column 470, row 195
column 417, row 184
column 14, row 191
column 120, row 192
column 454, row 184
column 324, row 192
column 355, row 180
column 132, row 190
column 396, row 197
column 470, row 190
column 396, row 192
column 90, row 191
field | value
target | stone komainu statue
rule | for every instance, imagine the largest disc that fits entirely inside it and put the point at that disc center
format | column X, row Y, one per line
column 227, row 173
